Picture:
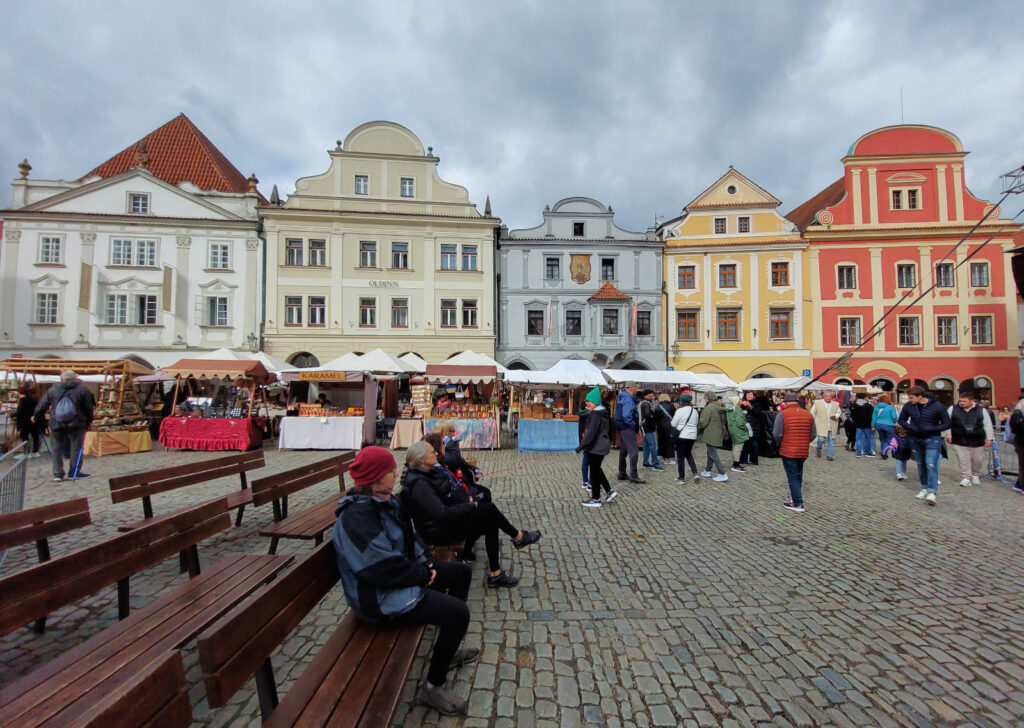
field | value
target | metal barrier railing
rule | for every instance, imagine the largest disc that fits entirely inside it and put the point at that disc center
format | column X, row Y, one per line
column 1002, row 460
column 12, row 483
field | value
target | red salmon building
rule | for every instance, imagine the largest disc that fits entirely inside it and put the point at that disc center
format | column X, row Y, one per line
column 879, row 239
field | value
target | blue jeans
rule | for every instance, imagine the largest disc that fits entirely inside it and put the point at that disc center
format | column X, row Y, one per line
column 885, row 433
column 794, row 468
column 927, row 451
column 822, row 439
column 901, row 467
column 865, row 441
column 585, row 468
column 651, row 449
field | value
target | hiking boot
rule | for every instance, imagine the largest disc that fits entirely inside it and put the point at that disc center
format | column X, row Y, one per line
column 635, row 479
column 528, row 538
column 502, row 579
column 442, row 699
column 464, row 656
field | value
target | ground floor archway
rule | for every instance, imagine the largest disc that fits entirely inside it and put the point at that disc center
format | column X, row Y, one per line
column 303, row 360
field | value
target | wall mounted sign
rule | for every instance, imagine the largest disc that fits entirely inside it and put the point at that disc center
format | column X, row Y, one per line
column 322, row 376
column 383, row 284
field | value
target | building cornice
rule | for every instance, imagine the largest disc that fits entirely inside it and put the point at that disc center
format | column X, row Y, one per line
column 142, row 220
column 282, row 213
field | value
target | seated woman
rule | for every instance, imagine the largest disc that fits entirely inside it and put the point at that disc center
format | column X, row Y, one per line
column 444, row 512
column 452, row 458
column 388, row 578
column 469, row 489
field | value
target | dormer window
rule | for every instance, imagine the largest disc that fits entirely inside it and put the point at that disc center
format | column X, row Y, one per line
column 907, row 198
column 407, row 186
column 138, row 203
column 362, row 184
column 577, row 230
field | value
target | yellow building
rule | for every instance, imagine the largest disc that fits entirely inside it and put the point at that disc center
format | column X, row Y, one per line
column 736, row 276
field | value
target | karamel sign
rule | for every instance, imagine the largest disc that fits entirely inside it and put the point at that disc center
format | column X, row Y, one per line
column 322, row 376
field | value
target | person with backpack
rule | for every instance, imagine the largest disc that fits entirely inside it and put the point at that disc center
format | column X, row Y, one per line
column 627, row 424
column 649, row 426
column 1016, row 427
column 71, row 406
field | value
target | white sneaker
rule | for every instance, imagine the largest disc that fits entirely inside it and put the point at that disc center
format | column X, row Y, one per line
column 705, row 474
column 930, row 499
column 922, row 493
column 20, row 456
column 900, row 476
column 975, row 480
column 938, row 482
column 965, row 482
column 680, row 482
column 611, row 496
column 720, row 478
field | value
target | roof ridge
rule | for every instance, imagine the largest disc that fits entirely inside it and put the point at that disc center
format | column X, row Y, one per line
column 608, row 291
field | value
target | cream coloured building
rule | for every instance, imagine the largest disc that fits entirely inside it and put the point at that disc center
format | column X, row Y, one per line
column 378, row 251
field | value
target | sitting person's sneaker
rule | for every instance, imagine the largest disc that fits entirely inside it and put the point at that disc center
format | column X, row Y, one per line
column 467, row 555
column 592, row 503
column 528, row 538
column 442, row 699
column 464, row 656
column 502, row 579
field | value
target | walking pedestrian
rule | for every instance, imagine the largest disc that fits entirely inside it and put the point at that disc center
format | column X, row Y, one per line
column 794, row 431
column 1015, row 423
column 899, row 447
column 971, row 434
column 666, row 435
column 684, row 421
column 713, row 431
column 861, row 412
column 925, row 419
column 826, row 413
column 649, row 425
column 883, row 419
column 27, row 429
column 72, row 411
column 736, row 420
column 753, row 411
column 584, row 415
column 628, row 426
column 595, row 445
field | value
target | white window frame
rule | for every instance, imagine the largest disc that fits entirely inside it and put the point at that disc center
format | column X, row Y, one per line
column 470, row 257
column 470, row 314
column 939, row 278
column 143, row 206
column 915, row 329
column 46, row 308
column 115, row 309
column 989, row 329
column 901, row 269
column 147, row 309
column 858, row 334
column 218, row 311
column 320, row 252
column 578, row 315
column 219, row 256
column 367, row 312
column 407, row 187
column 317, row 312
column 293, row 255
column 122, row 251
column 981, row 266
column 449, row 256
column 293, row 310
column 51, row 249
column 950, row 324
column 367, row 253
column 450, row 314
column 400, row 313
column 400, row 258
column 362, row 184
column 841, row 268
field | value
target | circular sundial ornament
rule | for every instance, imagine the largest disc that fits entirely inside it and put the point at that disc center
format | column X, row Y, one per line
column 824, row 217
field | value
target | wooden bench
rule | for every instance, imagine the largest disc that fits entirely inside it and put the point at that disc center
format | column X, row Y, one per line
column 146, row 484
column 38, row 524
column 311, row 523
column 355, row 679
column 83, row 676
column 155, row 696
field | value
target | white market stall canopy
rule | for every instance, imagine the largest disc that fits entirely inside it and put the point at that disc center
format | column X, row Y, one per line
column 795, row 384
column 381, row 362
column 270, row 363
column 418, row 363
column 691, row 379
column 566, row 373
column 470, row 358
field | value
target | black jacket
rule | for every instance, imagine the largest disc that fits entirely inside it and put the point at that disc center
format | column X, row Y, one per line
column 584, row 415
column 924, row 420
column 648, row 418
column 596, row 441
column 454, row 461
column 860, row 412
column 79, row 395
column 23, row 415
column 427, row 495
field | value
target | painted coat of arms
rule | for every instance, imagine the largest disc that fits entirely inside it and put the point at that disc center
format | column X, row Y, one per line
column 579, row 267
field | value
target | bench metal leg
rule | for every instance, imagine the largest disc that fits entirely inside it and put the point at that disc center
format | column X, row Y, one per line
column 43, row 551
column 273, row 545
column 284, row 507
column 238, row 518
column 318, row 539
column 123, row 604
column 266, row 689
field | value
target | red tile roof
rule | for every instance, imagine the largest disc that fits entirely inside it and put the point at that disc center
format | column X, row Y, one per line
column 178, row 152
column 608, row 292
column 804, row 215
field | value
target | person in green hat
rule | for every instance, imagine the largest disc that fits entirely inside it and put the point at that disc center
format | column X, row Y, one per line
column 596, row 443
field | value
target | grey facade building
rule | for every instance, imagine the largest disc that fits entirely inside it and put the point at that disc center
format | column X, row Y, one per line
column 579, row 286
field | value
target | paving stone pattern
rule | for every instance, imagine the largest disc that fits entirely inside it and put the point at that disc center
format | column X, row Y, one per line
column 704, row 604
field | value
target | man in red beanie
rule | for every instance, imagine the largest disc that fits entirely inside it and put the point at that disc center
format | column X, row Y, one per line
column 794, row 431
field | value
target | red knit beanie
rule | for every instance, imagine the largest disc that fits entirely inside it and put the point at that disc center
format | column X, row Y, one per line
column 371, row 464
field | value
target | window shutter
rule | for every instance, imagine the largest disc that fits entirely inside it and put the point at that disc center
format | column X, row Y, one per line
column 85, row 287
column 168, row 283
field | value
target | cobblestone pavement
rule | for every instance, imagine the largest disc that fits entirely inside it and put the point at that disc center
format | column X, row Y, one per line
column 704, row 604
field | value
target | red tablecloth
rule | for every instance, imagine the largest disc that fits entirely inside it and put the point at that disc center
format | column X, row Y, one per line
column 193, row 433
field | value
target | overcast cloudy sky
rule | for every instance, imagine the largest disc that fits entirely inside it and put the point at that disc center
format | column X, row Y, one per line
column 639, row 104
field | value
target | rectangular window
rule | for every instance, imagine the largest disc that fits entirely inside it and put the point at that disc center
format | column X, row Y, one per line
column 780, row 324
column 534, row 323
column 849, row 331
column 643, row 323
column 400, row 255
column 145, row 253
column 469, row 257
column 946, row 331
column 897, row 199
column 780, row 274
column 552, row 269
column 121, row 252
column 367, row 254
column 727, row 275
column 145, row 310
column 367, row 311
column 362, row 184
column 449, row 313
column 743, row 224
column 686, row 326
column 609, row 321
column 906, row 275
column 912, row 202
column 317, row 310
column 577, row 229
column 50, row 249
column 981, row 330
column 573, row 323
column 138, row 204
column 979, row 274
column 218, row 310
column 607, row 269
column 720, row 226
column 293, row 310
column 115, row 310
column 46, row 308
column 846, row 277
column 944, row 275
column 318, row 253
column 407, row 187
column 399, row 313
column 293, row 251
column 449, row 255
column 728, row 325
column 220, row 256
column 469, row 319
column 909, row 331
column 687, row 277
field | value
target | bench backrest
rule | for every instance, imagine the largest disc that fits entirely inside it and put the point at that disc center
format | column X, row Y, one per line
column 150, row 482
column 234, row 647
column 36, row 524
column 37, row 591
column 156, row 695
column 279, row 485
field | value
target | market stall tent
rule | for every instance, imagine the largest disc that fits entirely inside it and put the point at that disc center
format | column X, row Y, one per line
column 680, row 378
column 796, row 384
column 270, row 363
column 224, row 369
column 473, row 359
column 381, row 362
column 417, row 363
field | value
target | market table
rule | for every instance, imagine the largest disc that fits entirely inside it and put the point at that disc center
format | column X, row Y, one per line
column 195, row 433
column 476, row 434
column 406, row 433
column 98, row 444
column 321, row 433
column 548, row 435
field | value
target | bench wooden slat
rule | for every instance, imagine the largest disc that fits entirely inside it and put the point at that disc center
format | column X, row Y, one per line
column 346, row 712
column 274, row 487
column 238, row 498
column 144, row 700
column 305, row 524
column 382, row 703
column 151, row 482
column 30, row 525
